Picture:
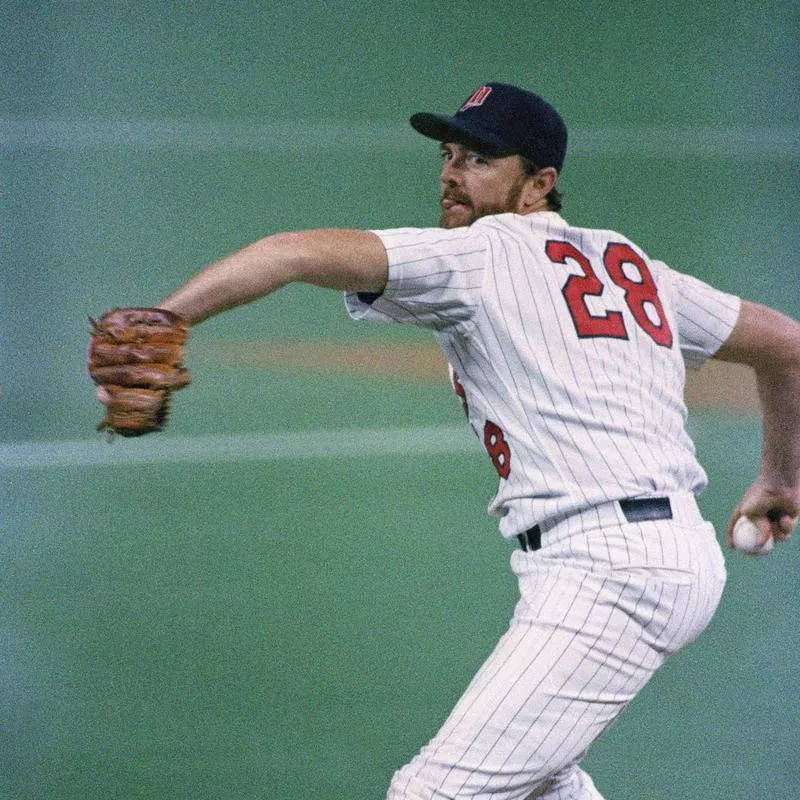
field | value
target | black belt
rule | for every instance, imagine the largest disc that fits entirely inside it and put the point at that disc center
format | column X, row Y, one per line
column 635, row 509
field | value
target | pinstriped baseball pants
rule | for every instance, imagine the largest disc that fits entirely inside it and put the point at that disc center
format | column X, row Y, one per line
column 600, row 610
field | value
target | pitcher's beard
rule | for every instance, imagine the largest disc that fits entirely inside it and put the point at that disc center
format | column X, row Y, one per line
column 449, row 219
column 459, row 212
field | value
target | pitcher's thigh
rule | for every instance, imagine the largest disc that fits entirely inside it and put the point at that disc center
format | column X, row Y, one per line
column 556, row 680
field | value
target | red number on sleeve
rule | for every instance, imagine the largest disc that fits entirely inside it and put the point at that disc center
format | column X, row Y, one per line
column 497, row 447
column 459, row 390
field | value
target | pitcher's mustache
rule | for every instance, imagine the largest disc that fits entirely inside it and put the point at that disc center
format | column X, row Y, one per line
column 455, row 198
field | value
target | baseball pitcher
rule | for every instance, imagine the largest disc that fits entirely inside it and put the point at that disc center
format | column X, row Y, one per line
column 568, row 349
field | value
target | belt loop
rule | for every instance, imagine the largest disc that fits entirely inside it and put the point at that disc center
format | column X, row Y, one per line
column 644, row 509
column 531, row 539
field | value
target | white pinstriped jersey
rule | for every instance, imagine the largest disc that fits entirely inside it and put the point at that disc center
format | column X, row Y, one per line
column 568, row 346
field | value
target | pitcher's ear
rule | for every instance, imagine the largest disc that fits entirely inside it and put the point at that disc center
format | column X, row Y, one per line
column 537, row 187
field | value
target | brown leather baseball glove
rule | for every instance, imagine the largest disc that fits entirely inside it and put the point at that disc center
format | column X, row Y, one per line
column 136, row 359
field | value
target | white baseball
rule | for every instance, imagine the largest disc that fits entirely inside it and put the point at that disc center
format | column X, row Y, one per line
column 746, row 537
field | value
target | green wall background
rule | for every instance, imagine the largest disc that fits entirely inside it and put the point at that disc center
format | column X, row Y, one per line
column 300, row 627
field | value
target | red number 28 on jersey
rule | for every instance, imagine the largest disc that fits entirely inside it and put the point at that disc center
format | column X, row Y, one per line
column 639, row 295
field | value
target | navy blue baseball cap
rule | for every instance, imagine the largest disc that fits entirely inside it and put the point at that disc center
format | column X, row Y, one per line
column 500, row 119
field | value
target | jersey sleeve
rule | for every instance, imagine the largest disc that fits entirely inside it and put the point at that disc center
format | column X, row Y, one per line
column 435, row 278
column 705, row 318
